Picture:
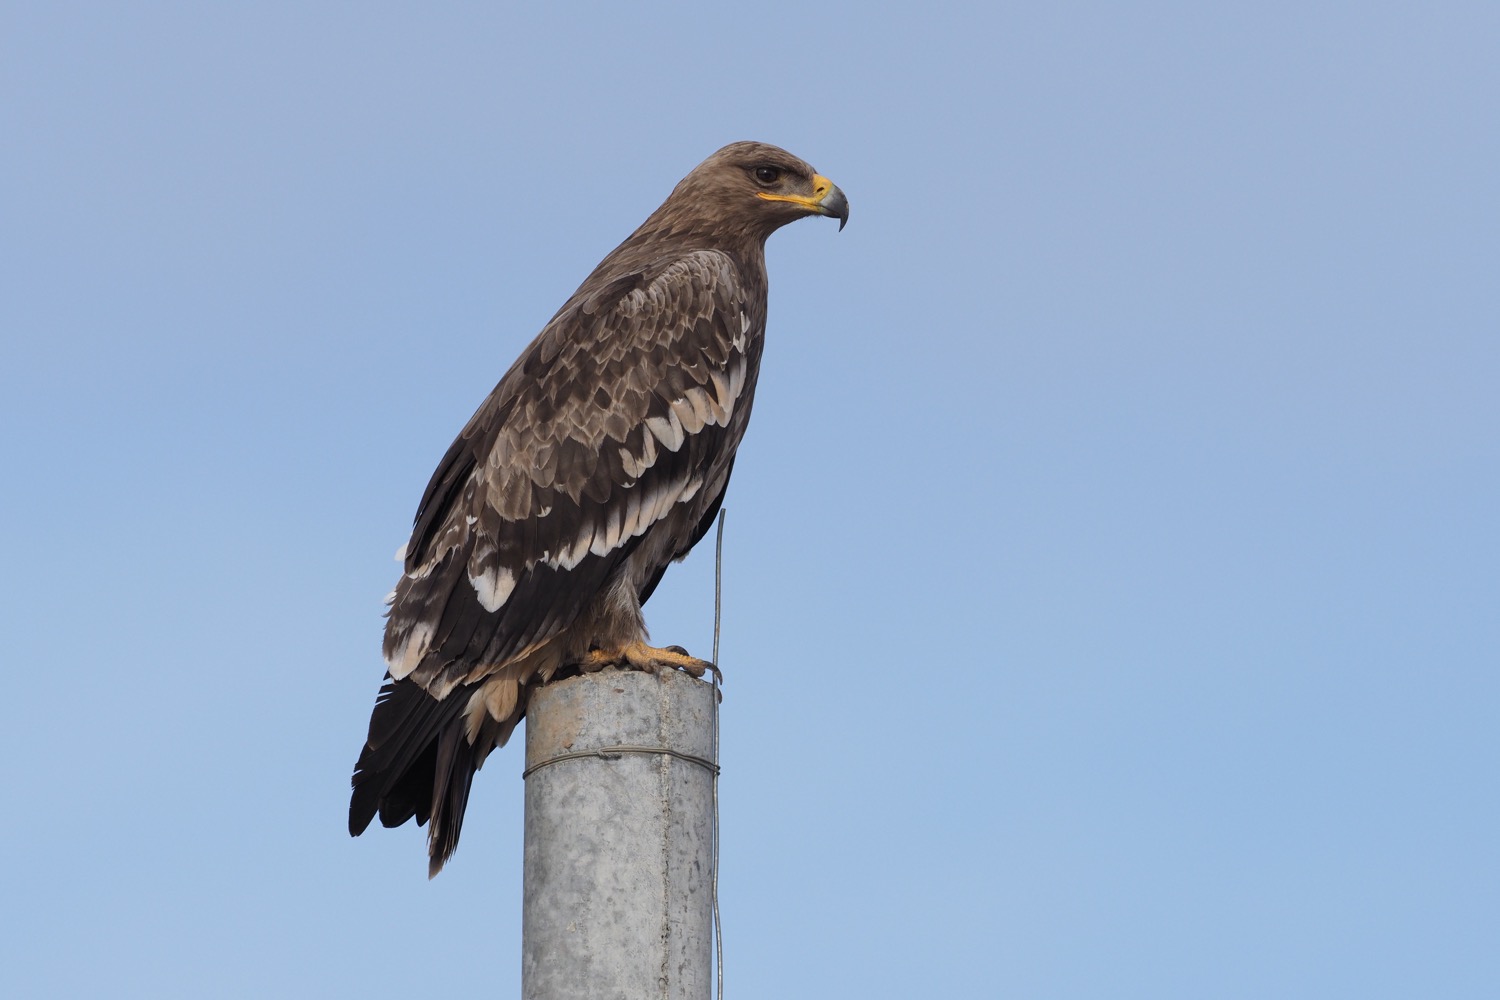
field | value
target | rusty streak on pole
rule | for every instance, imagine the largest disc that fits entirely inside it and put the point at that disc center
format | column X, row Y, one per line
column 619, row 860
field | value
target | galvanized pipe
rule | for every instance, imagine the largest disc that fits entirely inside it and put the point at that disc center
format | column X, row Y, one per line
column 618, row 870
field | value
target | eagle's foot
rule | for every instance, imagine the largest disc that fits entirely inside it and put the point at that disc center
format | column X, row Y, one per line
column 695, row 666
column 639, row 656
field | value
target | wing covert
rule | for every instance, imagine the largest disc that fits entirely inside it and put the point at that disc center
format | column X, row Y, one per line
column 627, row 404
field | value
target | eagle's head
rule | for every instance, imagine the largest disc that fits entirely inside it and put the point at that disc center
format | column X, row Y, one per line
column 751, row 189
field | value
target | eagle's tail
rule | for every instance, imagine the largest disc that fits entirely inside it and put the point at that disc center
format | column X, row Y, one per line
column 417, row 762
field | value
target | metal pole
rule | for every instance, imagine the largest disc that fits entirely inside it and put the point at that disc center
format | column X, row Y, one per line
column 619, row 837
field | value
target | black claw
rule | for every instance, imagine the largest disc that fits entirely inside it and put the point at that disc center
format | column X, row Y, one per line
column 678, row 650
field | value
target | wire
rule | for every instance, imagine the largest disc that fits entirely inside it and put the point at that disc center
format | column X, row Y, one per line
column 718, row 679
column 615, row 753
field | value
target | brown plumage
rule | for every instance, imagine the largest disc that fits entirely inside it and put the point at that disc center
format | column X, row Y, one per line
column 601, row 456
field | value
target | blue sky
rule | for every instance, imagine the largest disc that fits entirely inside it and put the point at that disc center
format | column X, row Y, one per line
column 1111, row 567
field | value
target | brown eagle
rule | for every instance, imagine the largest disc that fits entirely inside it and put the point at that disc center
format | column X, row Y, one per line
column 601, row 456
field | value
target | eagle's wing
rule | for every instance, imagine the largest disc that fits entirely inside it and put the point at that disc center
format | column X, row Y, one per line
column 619, row 411
column 616, row 419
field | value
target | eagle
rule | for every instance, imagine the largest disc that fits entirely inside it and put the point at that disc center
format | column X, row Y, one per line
column 599, row 458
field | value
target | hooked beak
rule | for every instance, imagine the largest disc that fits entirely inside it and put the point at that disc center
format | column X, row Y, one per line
column 834, row 204
column 826, row 199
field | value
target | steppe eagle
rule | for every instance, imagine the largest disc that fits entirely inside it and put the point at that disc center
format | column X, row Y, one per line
column 601, row 456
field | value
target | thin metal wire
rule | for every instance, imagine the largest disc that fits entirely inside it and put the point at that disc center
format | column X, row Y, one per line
column 615, row 753
column 718, row 696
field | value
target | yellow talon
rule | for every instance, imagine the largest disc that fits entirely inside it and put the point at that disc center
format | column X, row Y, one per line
column 639, row 656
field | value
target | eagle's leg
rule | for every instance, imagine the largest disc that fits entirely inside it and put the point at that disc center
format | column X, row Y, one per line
column 637, row 655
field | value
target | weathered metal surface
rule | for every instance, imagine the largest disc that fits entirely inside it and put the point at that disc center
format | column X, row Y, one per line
column 618, row 851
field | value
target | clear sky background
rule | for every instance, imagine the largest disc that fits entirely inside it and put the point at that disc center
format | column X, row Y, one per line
column 1111, row 568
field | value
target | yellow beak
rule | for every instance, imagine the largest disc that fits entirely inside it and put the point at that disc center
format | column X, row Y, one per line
column 826, row 199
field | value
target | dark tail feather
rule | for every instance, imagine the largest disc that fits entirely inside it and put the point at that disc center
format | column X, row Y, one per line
column 416, row 763
column 453, row 772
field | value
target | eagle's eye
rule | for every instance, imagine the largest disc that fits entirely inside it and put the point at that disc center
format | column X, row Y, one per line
column 767, row 175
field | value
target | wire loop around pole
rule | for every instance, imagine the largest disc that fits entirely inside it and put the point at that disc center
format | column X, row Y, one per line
column 615, row 753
